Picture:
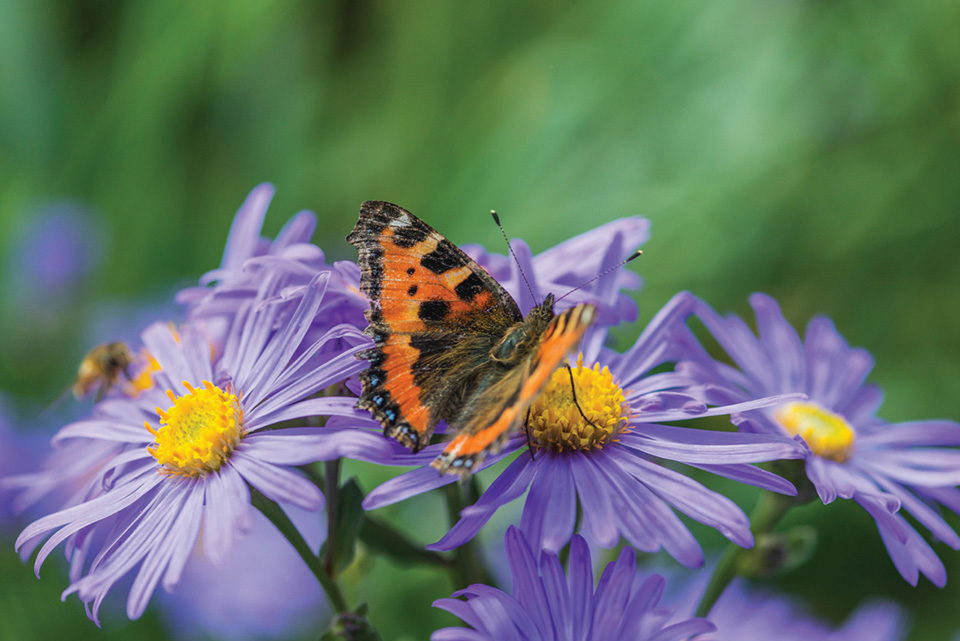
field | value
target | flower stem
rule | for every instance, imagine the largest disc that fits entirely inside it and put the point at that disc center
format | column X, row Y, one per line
column 770, row 509
column 467, row 569
column 331, row 471
column 282, row 522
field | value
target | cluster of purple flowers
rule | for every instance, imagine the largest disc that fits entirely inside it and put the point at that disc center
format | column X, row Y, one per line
column 259, row 382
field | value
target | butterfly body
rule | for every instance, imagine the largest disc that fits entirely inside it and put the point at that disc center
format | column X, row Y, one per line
column 449, row 342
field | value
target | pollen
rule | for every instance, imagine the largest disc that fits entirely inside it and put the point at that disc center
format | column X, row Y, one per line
column 555, row 422
column 828, row 434
column 199, row 432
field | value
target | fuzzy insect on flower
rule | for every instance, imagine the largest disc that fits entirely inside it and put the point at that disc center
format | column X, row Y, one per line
column 853, row 454
column 192, row 446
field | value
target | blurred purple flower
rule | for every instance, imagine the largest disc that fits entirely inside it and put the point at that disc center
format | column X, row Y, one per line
column 611, row 465
column 262, row 590
column 56, row 252
column 852, row 453
column 750, row 615
column 546, row 605
column 20, row 452
column 144, row 507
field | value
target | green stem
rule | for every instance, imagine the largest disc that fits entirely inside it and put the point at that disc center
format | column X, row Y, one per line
column 770, row 509
column 331, row 470
column 282, row 522
column 467, row 568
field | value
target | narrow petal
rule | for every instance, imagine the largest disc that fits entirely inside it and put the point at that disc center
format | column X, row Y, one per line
column 226, row 512
column 693, row 499
column 277, row 483
column 707, row 446
column 412, row 483
column 599, row 522
column 510, row 485
column 752, row 475
column 245, row 232
column 550, row 511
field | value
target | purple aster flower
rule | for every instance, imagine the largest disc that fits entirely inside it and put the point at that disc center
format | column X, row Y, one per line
column 852, row 454
column 182, row 474
column 611, row 465
column 262, row 590
column 750, row 615
column 546, row 605
column 248, row 257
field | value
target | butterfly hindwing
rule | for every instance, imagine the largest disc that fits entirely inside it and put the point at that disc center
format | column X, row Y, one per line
column 484, row 425
column 434, row 318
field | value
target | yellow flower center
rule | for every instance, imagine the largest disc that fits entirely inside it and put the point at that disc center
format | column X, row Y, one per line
column 199, row 432
column 555, row 422
column 828, row 434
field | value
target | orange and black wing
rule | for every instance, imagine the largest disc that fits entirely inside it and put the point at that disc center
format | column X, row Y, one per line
column 435, row 315
column 504, row 404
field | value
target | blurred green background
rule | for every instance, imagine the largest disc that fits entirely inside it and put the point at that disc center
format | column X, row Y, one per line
column 808, row 149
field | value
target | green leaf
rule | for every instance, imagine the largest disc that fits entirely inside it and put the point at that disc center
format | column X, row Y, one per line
column 349, row 518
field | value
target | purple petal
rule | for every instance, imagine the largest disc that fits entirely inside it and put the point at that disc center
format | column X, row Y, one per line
column 74, row 519
column 510, row 485
column 695, row 412
column 693, row 499
column 926, row 515
column 599, row 521
column 527, row 586
column 752, row 475
column 227, row 512
column 558, row 596
column 245, row 231
column 181, row 538
column 913, row 433
column 707, row 446
column 580, row 579
column 777, row 336
column 550, row 511
column 277, row 483
column 412, row 483
column 284, row 343
column 684, row 630
column 297, row 230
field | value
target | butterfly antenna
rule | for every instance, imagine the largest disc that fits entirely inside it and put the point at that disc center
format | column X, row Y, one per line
column 496, row 219
column 573, row 390
column 623, row 262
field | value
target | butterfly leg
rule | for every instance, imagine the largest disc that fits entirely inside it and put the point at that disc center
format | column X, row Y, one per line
column 526, row 430
column 573, row 390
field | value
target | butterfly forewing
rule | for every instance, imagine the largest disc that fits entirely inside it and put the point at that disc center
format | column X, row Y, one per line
column 434, row 317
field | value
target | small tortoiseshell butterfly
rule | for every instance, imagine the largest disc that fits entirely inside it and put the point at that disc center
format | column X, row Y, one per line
column 450, row 342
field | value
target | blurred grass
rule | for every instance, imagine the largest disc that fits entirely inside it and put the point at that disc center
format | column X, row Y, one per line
column 806, row 149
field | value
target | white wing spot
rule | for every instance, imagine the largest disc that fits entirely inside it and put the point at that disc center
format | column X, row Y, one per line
column 401, row 221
